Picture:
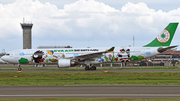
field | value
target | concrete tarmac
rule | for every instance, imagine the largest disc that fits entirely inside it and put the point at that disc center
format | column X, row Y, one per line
column 30, row 71
column 91, row 91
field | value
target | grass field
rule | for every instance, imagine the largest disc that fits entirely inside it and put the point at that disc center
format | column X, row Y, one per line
column 90, row 99
column 90, row 78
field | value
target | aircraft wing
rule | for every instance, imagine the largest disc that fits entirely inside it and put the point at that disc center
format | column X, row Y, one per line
column 93, row 55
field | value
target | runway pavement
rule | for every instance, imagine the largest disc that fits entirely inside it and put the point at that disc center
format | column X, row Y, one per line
column 30, row 71
column 53, row 68
column 88, row 91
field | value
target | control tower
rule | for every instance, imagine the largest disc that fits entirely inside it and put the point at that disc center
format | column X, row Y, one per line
column 26, row 35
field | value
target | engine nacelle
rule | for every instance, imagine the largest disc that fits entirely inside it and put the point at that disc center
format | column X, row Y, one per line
column 65, row 63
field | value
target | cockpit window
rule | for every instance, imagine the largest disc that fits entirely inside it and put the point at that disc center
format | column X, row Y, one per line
column 7, row 54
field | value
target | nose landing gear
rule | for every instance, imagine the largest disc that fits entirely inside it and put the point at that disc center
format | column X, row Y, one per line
column 19, row 68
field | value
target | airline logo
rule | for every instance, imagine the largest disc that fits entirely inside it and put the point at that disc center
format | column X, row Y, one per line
column 164, row 36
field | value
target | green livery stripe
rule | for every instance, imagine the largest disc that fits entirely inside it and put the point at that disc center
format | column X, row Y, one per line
column 164, row 39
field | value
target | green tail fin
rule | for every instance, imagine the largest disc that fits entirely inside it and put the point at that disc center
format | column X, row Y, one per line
column 165, row 37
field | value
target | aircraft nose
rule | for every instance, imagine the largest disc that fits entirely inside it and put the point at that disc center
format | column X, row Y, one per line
column 10, row 59
column 4, row 58
column 1, row 61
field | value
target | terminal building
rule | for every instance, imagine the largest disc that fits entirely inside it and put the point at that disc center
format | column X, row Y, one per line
column 51, row 47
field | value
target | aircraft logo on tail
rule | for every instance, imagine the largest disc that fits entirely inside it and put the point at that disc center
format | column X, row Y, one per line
column 164, row 36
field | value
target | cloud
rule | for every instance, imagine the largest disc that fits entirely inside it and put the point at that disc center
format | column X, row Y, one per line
column 88, row 6
column 140, row 8
column 84, row 20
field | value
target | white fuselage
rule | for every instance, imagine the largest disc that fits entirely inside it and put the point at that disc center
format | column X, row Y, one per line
column 120, row 54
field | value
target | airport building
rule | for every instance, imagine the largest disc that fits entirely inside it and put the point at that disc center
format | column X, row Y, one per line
column 171, row 57
column 27, row 35
column 51, row 47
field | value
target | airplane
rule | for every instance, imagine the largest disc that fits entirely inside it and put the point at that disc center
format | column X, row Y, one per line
column 68, row 57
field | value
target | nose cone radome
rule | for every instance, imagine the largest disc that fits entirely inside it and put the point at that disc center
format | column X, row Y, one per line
column 4, row 58
column 9, row 59
column 1, row 61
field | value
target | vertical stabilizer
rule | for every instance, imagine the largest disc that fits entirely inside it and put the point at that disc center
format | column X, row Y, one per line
column 165, row 37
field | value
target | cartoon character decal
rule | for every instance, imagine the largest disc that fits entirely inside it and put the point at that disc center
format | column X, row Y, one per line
column 63, row 56
column 110, row 57
column 53, row 60
column 133, row 58
column 100, row 59
column 124, row 55
column 50, row 57
column 37, row 56
column 23, row 61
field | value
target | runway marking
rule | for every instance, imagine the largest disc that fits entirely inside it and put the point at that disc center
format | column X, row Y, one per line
column 96, row 95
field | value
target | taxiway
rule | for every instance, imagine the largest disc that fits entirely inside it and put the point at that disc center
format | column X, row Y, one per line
column 91, row 91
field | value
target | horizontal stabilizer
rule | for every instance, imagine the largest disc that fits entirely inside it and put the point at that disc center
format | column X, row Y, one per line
column 161, row 49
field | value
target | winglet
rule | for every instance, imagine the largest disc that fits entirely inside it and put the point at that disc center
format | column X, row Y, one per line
column 111, row 49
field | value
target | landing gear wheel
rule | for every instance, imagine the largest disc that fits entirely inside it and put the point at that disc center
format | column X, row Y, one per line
column 87, row 68
column 19, row 69
column 93, row 68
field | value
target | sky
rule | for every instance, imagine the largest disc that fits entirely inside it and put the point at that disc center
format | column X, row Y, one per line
column 86, row 23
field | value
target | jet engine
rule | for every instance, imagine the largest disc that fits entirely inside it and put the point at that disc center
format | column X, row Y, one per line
column 65, row 63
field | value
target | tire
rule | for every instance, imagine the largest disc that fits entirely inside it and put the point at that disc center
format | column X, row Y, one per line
column 19, row 69
column 87, row 68
column 93, row 68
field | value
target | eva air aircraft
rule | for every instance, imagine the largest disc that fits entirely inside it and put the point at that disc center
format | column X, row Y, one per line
column 67, row 57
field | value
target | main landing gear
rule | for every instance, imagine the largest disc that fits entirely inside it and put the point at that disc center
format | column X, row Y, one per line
column 19, row 68
column 91, row 68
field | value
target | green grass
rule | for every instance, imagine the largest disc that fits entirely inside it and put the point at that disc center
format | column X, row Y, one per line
column 90, row 78
column 89, row 99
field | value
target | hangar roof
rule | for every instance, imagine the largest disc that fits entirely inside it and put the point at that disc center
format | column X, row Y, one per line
column 172, row 53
